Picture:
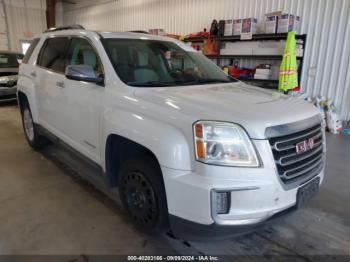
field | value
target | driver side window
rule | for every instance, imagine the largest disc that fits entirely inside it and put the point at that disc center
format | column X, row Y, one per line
column 82, row 53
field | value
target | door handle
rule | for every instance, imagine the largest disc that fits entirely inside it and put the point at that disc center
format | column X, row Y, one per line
column 60, row 84
column 33, row 74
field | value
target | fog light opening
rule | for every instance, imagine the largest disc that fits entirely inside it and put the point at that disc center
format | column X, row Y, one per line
column 223, row 202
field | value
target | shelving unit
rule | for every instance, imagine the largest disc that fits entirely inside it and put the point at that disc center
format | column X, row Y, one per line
column 272, row 84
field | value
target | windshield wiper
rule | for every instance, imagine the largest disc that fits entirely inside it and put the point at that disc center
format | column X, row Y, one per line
column 151, row 84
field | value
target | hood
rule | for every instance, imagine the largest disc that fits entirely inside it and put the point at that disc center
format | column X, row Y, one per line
column 251, row 107
column 11, row 71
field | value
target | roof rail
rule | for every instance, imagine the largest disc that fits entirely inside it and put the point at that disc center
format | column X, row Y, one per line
column 66, row 27
column 139, row 31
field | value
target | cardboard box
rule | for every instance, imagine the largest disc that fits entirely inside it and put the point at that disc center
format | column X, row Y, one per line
column 157, row 32
column 240, row 45
column 264, row 77
column 271, row 24
column 228, row 27
column 268, row 51
column 263, row 71
column 249, row 25
column 238, row 48
column 236, row 51
column 287, row 23
column 237, row 26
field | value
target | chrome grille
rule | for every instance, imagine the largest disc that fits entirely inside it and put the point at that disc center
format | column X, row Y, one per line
column 8, row 73
column 9, row 84
column 293, row 166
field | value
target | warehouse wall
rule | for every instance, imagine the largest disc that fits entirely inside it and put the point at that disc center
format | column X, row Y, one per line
column 326, row 22
column 3, row 28
column 25, row 18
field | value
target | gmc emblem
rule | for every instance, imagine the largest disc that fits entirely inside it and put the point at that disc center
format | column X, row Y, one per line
column 305, row 146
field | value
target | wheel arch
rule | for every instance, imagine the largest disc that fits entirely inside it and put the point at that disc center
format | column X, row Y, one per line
column 26, row 92
column 22, row 98
column 119, row 149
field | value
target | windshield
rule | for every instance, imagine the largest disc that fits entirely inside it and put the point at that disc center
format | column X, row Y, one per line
column 9, row 60
column 150, row 63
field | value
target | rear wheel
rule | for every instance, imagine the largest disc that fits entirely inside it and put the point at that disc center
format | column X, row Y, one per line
column 35, row 140
column 142, row 192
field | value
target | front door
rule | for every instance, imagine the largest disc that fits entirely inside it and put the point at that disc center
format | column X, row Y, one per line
column 83, row 105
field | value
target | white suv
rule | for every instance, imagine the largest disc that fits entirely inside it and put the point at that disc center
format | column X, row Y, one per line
column 187, row 146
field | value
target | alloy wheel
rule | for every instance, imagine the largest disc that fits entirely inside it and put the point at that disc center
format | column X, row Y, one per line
column 28, row 124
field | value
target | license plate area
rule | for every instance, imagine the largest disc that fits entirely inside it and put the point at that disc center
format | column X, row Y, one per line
column 307, row 192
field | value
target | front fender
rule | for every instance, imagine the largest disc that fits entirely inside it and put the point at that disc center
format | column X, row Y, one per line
column 166, row 142
column 27, row 87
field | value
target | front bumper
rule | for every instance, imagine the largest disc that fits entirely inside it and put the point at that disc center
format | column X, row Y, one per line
column 8, row 94
column 194, row 231
column 257, row 195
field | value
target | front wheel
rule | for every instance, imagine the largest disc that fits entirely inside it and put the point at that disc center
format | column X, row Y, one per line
column 35, row 140
column 142, row 193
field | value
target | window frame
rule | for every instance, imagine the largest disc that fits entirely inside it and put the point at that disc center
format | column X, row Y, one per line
column 70, row 37
column 43, row 47
column 30, row 51
column 105, row 41
column 88, row 40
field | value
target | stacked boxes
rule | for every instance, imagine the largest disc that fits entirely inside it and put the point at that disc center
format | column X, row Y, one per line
column 287, row 23
column 271, row 24
column 258, row 48
column 262, row 73
column 234, row 27
column 157, row 32
column 281, row 23
column 237, row 26
column 228, row 27
column 249, row 25
column 276, row 22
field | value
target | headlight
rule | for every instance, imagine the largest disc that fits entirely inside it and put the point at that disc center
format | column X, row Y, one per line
column 8, row 79
column 4, row 80
column 223, row 143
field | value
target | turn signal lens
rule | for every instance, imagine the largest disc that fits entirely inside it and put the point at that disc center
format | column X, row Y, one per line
column 200, row 149
column 199, row 130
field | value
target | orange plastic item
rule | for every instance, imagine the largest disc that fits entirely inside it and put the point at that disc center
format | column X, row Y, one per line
column 210, row 47
column 199, row 130
column 200, row 149
column 240, row 72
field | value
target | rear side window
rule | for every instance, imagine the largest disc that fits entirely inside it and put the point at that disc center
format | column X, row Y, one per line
column 30, row 50
column 53, row 53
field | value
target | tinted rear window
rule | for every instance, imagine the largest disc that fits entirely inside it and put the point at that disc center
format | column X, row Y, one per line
column 53, row 53
column 30, row 50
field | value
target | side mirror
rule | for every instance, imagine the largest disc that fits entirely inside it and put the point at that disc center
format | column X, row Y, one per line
column 83, row 73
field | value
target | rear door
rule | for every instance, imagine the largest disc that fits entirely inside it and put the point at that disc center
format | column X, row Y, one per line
column 50, row 78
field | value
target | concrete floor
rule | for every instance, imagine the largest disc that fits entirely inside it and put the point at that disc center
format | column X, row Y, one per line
column 45, row 210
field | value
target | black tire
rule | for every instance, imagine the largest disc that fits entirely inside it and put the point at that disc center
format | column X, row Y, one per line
column 142, row 192
column 34, row 139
